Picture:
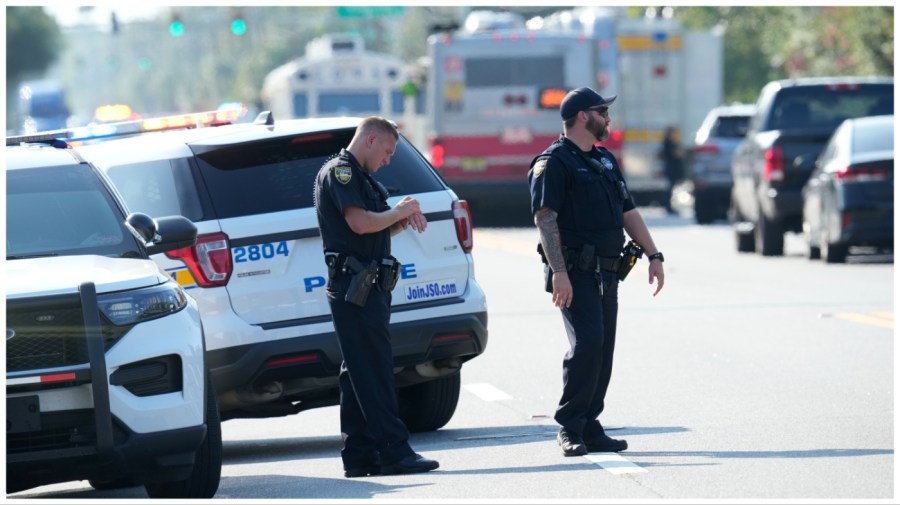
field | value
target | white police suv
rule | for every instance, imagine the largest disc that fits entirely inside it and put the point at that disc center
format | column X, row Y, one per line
column 105, row 370
column 258, row 271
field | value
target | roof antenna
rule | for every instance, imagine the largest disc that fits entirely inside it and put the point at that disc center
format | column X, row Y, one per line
column 265, row 118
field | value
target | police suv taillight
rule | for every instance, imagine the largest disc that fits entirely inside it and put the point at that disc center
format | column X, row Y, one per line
column 462, row 219
column 209, row 259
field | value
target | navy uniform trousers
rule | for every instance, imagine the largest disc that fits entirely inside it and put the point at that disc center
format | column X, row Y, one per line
column 370, row 424
column 590, row 323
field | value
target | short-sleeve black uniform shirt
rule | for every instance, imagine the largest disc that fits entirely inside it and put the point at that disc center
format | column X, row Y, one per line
column 342, row 183
column 588, row 193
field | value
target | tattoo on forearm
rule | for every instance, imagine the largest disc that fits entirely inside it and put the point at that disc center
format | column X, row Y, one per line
column 545, row 220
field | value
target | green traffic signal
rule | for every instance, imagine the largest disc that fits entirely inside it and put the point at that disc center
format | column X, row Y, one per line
column 238, row 26
column 176, row 28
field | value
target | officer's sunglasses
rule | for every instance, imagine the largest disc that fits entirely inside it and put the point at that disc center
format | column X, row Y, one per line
column 603, row 111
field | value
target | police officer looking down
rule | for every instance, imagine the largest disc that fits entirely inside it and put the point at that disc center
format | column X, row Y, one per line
column 582, row 208
column 357, row 223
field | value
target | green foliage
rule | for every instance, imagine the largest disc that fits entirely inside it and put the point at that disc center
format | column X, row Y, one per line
column 33, row 42
column 765, row 43
column 154, row 73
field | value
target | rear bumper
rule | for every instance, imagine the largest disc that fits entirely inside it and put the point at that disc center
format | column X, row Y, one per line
column 309, row 365
column 781, row 204
column 713, row 193
column 869, row 227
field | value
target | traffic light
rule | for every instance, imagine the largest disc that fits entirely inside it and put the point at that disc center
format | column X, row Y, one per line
column 176, row 26
column 238, row 25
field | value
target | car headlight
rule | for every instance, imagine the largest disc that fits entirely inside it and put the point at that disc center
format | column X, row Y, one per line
column 133, row 307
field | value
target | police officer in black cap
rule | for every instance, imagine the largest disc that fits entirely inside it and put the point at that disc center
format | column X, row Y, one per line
column 357, row 223
column 582, row 208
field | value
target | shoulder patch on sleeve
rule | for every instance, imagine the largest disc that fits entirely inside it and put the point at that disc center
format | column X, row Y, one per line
column 343, row 173
column 539, row 167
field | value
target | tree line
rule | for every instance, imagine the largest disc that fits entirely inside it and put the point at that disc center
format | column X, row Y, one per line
column 139, row 64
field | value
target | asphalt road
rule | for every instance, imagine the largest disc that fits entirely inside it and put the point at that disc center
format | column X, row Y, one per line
column 746, row 378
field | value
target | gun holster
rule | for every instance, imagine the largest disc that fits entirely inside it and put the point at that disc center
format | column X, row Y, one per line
column 630, row 254
column 586, row 261
column 388, row 273
column 364, row 277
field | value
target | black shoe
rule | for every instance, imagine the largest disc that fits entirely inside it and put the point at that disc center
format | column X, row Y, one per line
column 572, row 445
column 602, row 443
column 414, row 463
column 362, row 471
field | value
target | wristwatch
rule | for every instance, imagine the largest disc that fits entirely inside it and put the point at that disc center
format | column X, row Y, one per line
column 656, row 256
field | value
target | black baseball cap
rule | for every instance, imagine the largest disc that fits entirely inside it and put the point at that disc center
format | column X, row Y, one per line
column 581, row 99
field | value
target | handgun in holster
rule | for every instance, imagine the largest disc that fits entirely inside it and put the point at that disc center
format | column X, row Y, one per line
column 630, row 254
column 364, row 277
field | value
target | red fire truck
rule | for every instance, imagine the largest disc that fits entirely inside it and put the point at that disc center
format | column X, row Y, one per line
column 494, row 95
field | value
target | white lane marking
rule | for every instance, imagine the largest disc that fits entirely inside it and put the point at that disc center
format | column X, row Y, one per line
column 487, row 392
column 613, row 463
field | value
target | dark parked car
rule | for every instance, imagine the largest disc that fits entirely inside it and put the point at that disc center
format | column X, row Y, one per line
column 849, row 198
column 794, row 117
column 710, row 160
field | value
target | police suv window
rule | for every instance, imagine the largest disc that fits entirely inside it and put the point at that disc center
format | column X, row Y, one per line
column 408, row 172
column 158, row 188
column 278, row 175
column 62, row 210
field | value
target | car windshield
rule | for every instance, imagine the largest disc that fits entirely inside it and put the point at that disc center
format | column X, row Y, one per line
column 731, row 126
column 60, row 211
column 827, row 106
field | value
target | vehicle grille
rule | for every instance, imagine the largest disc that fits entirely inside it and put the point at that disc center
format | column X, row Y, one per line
column 49, row 332
column 63, row 430
column 60, row 431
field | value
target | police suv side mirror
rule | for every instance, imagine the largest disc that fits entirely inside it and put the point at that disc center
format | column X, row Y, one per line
column 142, row 225
column 164, row 233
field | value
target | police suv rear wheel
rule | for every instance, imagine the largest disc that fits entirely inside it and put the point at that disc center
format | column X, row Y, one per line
column 430, row 405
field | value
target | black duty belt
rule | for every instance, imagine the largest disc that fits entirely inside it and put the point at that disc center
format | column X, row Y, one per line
column 610, row 264
column 575, row 261
column 340, row 264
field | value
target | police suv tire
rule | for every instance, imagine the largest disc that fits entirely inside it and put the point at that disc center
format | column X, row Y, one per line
column 112, row 484
column 769, row 237
column 430, row 405
column 204, row 479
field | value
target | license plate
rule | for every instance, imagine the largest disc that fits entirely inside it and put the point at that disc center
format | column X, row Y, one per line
column 23, row 414
column 474, row 164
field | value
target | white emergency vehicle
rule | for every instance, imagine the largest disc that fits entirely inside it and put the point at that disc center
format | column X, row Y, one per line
column 338, row 76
